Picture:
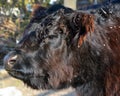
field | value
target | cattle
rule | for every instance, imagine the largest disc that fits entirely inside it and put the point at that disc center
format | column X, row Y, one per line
column 70, row 49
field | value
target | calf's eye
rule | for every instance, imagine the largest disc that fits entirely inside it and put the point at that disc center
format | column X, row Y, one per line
column 52, row 36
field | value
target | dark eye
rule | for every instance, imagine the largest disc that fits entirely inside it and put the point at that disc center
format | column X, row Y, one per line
column 52, row 36
column 61, row 31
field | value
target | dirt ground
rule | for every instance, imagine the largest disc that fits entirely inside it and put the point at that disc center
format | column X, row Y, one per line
column 7, row 81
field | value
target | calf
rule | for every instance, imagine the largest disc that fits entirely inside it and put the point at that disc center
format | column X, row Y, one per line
column 70, row 50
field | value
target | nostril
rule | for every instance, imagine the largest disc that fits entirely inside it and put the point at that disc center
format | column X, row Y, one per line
column 9, row 61
column 12, row 60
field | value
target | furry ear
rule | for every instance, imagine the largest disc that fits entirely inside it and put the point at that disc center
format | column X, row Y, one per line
column 82, row 23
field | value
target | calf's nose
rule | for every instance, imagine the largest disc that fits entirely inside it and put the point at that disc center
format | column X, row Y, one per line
column 9, row 61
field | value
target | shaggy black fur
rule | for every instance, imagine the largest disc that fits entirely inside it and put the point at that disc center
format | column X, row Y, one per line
column 70, row 50
column 42, row 12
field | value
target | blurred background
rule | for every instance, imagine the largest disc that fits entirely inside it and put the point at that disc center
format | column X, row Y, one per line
column 14, row 17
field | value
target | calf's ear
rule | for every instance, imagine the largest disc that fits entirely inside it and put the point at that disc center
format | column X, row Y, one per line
column 82, row 24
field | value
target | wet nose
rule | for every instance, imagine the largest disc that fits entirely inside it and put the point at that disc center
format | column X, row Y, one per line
column 10, row 61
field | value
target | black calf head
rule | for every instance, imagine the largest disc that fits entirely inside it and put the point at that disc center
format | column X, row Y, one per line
column 44, row 57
